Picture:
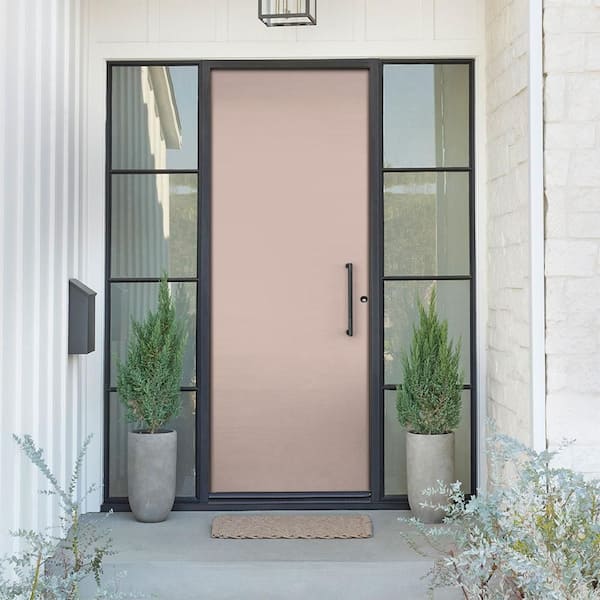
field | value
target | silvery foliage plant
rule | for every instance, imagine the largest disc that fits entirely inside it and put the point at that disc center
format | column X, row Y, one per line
column 52, row 565
column 535, row 535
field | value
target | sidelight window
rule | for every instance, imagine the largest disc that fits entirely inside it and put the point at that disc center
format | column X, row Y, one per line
column 428, row 244
column 152, row 228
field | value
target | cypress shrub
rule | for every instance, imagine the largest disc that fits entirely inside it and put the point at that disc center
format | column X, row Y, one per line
column 149, row 380
column 429, row 399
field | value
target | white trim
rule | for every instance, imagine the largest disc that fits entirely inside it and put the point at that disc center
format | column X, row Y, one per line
column 481, row 265
column 536, row 224
column 93, row 99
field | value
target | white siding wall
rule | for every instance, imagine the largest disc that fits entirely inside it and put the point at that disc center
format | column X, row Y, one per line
column 572, row 179
column 42, row 245
column 508, row 258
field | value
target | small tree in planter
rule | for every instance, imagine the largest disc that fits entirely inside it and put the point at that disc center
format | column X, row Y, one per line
column 148, row 385
column 429, row 402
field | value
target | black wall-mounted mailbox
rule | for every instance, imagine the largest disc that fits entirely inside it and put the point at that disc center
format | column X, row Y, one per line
column 82, row 318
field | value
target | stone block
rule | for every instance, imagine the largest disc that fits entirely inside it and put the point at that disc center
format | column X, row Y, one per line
column 581, row 99
column 584, row 225
column 565, row 338
column 592, row 55
column 572, row 19
column 568, row 136
column 556, row 212
column 554, row 97
column 564, row 52
column 585, row 165
column 570, row 258
column 574, row 416
column 582, row 298
column 557, row 167
column 556, row 302
column 556, row 375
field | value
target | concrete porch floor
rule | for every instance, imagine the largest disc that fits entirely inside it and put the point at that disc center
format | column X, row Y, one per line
column 178, row 560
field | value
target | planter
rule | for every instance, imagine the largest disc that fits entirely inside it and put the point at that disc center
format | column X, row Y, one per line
column 151, row 470
column 429, row 459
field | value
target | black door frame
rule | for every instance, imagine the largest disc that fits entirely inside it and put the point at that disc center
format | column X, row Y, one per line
column 375, row 498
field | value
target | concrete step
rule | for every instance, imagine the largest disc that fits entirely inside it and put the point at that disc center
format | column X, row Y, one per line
column 190, row 580
column 178, row 560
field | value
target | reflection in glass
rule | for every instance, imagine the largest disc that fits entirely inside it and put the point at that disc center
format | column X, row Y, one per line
column 154, row 225
column 134, row 300
column 395, row 447
column 426, row 223
column 400, row 314
column 426, row 115
column 184, row 424
column 154, row 117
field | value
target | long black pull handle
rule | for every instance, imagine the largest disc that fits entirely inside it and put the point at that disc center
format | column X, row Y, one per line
column 350, row 330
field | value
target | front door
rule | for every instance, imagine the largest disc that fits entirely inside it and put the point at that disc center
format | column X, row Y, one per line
column 289, row 398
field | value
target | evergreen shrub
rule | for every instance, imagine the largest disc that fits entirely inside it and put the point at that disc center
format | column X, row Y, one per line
column 429, row 399
column 149, row 381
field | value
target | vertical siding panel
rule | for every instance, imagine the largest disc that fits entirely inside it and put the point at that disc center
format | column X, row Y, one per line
column 39, row 249
column 16, row 265
column 35, row 228
column 47, row 251
column 73, row 203
column 64, row 95
column 53, row 422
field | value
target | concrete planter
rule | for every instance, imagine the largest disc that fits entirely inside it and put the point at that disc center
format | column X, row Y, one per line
column 151, row 470
column 429, row 459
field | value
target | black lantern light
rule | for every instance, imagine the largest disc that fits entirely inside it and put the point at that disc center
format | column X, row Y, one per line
column 274, row 13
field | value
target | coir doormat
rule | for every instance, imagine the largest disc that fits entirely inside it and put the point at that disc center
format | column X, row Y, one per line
column 302, row 527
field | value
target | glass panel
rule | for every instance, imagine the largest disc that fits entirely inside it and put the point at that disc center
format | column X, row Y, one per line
column 134, row 300
column 155, row 117
column 154, row 223
column 400, row 313
column 426, row 115
column 184, row 424
column 395, row 447
column 279, row 7
column 426, row 224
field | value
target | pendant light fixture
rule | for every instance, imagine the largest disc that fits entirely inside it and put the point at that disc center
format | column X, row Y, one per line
column 277, row 13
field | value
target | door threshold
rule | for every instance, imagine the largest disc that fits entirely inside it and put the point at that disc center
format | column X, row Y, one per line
column 263, row 503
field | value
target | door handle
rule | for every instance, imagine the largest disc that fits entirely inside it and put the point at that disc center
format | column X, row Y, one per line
column 350, row 330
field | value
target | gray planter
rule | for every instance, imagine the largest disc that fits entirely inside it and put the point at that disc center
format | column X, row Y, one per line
column 429, row 459
column 151, row 470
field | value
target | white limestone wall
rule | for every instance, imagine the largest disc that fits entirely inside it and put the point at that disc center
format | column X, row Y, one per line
column 42, row 245
column 572, row 180
column 509, row 240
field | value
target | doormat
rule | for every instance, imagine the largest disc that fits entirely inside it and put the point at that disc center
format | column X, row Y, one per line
column 290, row 527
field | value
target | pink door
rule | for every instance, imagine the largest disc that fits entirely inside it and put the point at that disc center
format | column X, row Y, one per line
column 289, row 211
